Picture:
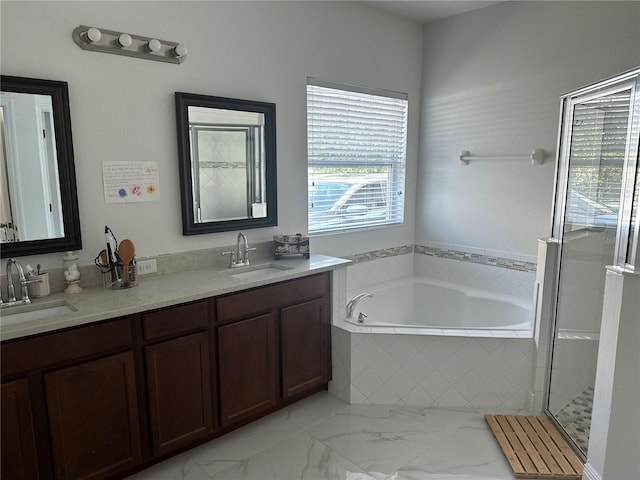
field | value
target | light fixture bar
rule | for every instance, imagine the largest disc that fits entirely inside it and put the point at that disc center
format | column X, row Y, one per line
column 119, row 43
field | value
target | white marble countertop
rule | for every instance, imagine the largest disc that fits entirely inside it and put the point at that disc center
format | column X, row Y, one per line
column 96, row 303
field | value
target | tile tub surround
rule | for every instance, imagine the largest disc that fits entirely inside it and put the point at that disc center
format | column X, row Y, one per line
column 523, row 263
column 364, row 274
column 494, row 278
column 371, row 367
column 382, row 253
column 519, row 264
column 432, row 371
column 323, row 438
column 488, row 272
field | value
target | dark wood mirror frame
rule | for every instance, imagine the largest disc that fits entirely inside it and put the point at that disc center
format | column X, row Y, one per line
column 189, row 225
column 59, row 93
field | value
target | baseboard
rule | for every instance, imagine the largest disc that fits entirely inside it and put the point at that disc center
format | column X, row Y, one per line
column 589, row 473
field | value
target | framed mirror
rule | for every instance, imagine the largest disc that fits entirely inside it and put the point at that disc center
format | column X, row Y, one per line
column 227, row 159
column 38, row 198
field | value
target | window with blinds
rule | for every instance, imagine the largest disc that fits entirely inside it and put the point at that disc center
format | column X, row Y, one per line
column 357, row 141
column 597, row 162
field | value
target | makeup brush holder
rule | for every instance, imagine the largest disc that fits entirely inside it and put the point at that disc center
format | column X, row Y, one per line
column 112, row 279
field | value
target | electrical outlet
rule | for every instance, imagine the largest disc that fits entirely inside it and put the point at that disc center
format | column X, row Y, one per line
column 145, row 267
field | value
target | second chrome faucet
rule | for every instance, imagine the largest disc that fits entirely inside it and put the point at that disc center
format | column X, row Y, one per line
column 240, row 257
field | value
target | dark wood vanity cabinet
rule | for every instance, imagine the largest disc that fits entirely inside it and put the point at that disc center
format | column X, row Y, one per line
column 77, row 388
column 19, row 460
column 179, row 391
column 178, row 376
column 305, row 346
column 106, row 399
column 93, row 415
column 247, row 366
column 273, row 344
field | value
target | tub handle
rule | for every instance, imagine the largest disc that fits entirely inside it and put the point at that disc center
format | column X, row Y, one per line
column 361, row 317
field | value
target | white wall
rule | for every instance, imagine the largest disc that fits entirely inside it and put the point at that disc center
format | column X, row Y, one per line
column 615, row 427
column 123, row 108
column 491, row 85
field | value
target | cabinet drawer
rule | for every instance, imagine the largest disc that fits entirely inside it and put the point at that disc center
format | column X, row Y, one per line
column 59, row 347
column 249, row 303
column 175, row 320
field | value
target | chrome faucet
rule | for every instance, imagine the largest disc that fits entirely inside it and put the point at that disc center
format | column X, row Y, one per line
column 11, row 291
column 240, row 257
column 351, row 306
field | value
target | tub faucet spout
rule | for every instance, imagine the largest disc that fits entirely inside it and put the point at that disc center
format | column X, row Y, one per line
column 351, row 306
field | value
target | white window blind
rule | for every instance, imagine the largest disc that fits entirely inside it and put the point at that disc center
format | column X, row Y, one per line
column 597, row 161
column 357, row 141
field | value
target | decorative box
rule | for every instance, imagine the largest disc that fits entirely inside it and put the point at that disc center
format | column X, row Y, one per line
column 295, row 244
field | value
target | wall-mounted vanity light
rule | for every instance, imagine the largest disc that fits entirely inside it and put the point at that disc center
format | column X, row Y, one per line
column 109, row 41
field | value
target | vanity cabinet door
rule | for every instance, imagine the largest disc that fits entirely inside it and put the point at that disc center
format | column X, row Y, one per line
column 19, row 460
column 93, row 415
column 247, row 368
column 179, row 390
column 304, row 334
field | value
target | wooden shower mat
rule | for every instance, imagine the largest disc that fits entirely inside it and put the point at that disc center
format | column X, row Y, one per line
column 534, row 448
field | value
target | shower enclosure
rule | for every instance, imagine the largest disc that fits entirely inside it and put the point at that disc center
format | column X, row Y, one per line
column 596, row 225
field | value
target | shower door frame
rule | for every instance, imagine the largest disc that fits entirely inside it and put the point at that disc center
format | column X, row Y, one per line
column 626, row 257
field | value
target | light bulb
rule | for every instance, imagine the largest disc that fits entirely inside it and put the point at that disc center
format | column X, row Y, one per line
column 180, row 50
column 94, row 35
column 154, row 45
column 124, row 40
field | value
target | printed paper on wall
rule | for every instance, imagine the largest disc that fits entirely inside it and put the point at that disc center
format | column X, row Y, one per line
column 127, row 182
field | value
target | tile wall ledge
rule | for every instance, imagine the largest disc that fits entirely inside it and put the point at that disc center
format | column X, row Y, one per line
column 377, row 254
column 488, row 252
column 490, row 260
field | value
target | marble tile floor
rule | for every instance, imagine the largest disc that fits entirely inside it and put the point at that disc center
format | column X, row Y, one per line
column 323, row 438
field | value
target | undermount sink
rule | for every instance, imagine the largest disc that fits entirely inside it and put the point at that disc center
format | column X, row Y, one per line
column 257, row 272
column 35, row 311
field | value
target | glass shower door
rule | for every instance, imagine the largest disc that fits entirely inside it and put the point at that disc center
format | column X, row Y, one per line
column 594, row 151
